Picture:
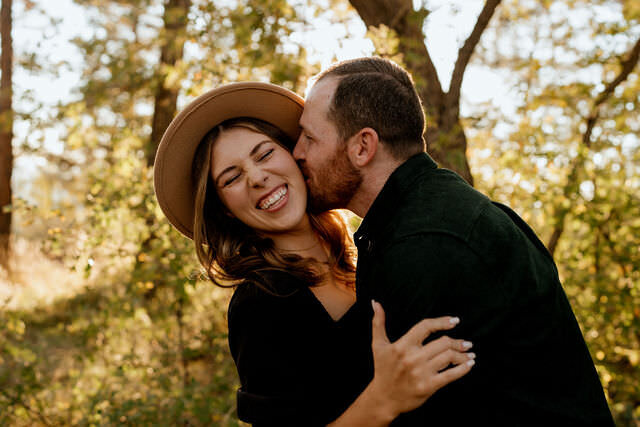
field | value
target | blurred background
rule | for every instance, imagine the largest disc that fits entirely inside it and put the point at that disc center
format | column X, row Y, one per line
column 104, row 315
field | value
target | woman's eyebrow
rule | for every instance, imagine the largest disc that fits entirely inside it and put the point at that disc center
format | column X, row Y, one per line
column 251, row 154
column 257, row 147
column 229, row 169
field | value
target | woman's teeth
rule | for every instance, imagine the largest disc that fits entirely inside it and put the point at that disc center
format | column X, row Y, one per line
column 273, row 199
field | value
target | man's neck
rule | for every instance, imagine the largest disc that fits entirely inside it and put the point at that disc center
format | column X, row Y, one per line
column 373, row 181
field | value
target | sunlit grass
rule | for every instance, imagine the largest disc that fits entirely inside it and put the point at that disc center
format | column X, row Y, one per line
column 76, row 350
column 36, row 280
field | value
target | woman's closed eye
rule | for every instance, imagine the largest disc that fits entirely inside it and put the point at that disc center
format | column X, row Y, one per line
column 230, row 180
column 265, row 155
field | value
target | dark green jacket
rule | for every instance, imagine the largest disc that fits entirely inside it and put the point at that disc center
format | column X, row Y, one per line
column 430, row 246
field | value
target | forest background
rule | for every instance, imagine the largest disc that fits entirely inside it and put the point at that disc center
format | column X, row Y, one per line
column 104, row 315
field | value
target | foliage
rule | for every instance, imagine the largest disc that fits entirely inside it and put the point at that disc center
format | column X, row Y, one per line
column 143, row 340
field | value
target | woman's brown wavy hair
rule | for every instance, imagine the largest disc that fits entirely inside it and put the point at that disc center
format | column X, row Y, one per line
column 231, row 252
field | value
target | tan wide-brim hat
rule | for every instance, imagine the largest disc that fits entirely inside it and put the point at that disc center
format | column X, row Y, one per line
column 172, row 170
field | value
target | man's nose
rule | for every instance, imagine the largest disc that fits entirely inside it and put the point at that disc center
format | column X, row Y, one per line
column 300, row 149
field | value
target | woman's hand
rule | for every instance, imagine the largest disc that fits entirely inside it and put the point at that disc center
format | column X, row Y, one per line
column 407, row 372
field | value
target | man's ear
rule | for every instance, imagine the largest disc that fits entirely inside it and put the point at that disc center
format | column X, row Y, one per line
column 362, row 147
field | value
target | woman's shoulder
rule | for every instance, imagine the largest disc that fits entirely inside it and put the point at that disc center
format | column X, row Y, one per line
column 257, row 317
column 274, row 293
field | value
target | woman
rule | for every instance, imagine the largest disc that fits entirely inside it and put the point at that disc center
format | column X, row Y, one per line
column 302, row 343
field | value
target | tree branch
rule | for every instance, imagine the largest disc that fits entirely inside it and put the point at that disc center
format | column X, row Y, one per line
column 627, row 66
column 397, row 15
column 465, row 52
column 422, row 66
column 375, row 13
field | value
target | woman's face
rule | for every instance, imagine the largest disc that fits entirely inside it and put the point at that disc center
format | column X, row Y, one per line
column 259, row 182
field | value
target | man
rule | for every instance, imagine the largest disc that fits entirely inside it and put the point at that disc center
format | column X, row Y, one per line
column 430, row 245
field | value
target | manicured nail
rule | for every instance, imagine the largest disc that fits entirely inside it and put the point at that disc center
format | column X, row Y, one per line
column 454, row 320
column 471, row 355
column 373, row 304
column 471, row 362
column 467, row 345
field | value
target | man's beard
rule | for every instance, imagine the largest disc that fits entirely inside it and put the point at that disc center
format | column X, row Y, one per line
column 334, row 183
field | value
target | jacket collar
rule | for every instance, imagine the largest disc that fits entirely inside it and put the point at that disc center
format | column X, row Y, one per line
column 392, row 193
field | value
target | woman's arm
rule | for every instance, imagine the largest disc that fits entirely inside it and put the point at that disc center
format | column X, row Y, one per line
column 407, row 372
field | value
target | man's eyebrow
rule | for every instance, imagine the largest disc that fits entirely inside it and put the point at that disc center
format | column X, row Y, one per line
column 306, row 130
column 251, row 154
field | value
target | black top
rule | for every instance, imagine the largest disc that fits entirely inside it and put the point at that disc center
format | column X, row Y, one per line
column 297, row 366
column 431, row 245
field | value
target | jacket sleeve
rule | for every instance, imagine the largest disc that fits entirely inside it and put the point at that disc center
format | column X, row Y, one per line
column 262, row 350
column 511, row 306
column 432, row 275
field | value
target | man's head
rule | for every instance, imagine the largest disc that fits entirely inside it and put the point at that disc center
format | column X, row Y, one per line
column 362, row 101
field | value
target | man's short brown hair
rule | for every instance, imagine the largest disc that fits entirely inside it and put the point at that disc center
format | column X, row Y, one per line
column 377, row 93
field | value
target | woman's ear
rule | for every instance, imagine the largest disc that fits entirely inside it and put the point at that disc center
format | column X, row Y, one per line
column 362, row 147
column 223, row 206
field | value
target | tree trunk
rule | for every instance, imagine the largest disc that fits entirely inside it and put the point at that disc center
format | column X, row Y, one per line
column 165, row 102
column 446, row 140
column 166, row 96
column 6, row 130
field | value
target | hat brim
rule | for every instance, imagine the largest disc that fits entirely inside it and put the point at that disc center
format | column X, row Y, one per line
column 172, row 169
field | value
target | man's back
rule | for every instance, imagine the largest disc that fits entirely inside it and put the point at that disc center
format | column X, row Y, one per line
column 430, row 246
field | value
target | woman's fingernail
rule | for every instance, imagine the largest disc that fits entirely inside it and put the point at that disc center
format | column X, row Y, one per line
column 454, row 320
column 467, row 345
column 471, row 355
column 471, row 362
column 373, row 304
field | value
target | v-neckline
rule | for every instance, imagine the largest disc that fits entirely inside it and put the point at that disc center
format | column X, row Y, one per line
column 324, row 309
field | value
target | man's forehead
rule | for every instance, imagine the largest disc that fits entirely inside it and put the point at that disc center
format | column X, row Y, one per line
column 317, row 104
column 322, row 91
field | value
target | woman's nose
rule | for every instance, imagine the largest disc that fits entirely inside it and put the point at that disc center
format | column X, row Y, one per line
column 257, row 177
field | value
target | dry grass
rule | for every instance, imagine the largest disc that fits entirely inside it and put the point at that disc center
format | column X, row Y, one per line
column 88, row 349
column 35, row 279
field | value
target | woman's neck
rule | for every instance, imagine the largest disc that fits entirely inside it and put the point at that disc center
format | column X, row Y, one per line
column 335, row 296
column 302, row 241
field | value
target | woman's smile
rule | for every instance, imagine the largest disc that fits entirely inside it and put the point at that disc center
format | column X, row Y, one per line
column 259, row 182
column 275, row 200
